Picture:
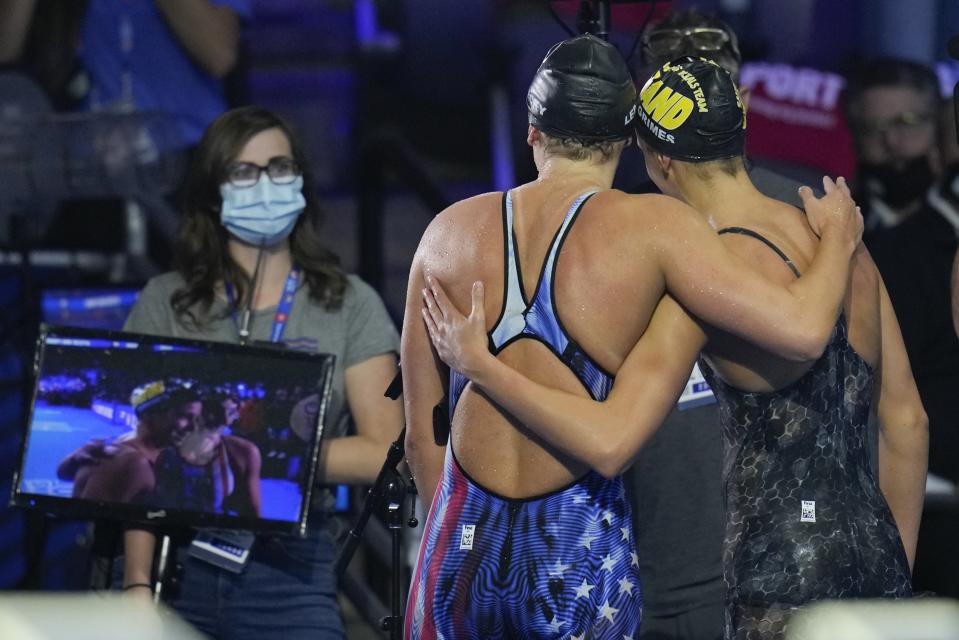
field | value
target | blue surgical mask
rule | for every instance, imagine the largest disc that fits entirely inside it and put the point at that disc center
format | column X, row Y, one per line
column 263, row 214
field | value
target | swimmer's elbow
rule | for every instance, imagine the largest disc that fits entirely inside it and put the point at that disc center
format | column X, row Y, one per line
column 612, row 460
column 419, row 446
column 915, row 420
column 919, row 425
column 610, row 471
column 811, row 354
column 616, row 447
column 613, row 467
column 905, row 423
column 806, row 346
column 412, row 444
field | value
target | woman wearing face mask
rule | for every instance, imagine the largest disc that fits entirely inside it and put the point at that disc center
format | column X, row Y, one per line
column 249, row 209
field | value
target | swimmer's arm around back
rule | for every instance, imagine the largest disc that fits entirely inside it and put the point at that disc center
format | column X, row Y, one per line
column 604, row 435
column 795, row 321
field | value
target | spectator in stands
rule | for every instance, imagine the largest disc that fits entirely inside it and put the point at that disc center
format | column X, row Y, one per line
column 249, row 201
column 171, row 60
column 893, row 111
column 167, row 56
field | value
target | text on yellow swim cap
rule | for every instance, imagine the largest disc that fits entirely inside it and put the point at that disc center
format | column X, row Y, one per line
column 664, row 106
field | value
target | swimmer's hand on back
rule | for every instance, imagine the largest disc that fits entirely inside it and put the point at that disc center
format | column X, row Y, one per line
column 460, row 341
column 835, row 208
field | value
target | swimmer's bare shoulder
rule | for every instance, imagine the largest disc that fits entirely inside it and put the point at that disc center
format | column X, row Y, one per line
column 127, row 459
column 638, row 210
column 461, row 236
column 636, row 221
column 471, row 213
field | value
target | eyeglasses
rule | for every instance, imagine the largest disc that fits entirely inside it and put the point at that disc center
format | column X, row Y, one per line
column 280, row 170
column 664, row 42
column 902, row 124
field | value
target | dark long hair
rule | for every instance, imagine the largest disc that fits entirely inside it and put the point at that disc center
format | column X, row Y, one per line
column 201, row 255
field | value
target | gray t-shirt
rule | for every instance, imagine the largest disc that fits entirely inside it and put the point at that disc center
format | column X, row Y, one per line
column 359, row 330
column 675, row 492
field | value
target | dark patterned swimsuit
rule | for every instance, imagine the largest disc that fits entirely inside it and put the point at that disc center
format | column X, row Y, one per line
column 805, row 519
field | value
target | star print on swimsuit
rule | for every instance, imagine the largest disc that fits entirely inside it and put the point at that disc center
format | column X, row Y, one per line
column 582, row 591
column 608, row 612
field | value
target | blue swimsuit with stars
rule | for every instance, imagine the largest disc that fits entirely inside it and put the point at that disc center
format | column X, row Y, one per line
column 560, row 565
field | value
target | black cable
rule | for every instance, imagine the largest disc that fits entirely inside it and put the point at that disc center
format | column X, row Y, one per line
column 244, row 329
column 552, row 10
column 639, row 35
column 649, row 16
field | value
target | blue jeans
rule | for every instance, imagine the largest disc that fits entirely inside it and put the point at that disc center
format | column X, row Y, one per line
column 287, row 590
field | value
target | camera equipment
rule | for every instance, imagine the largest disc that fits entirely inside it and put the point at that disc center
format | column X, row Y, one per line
column 595, row 16
column 389, row 486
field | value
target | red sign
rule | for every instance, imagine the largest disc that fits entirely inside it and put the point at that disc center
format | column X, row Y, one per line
column 794, row 115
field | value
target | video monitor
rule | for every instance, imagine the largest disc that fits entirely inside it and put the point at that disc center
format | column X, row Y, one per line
column 171, row 431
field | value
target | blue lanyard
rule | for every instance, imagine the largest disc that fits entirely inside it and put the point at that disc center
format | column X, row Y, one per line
column 283, row 308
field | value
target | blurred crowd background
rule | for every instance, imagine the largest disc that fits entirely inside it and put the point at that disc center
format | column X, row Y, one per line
column 406, row 106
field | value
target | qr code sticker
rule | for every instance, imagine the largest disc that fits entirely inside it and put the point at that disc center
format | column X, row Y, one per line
column 466, row 539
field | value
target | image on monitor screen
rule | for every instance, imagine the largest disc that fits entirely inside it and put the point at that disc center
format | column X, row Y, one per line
column 199, row 433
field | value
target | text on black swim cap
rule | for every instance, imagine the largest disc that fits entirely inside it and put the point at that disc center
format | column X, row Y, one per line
column 690, row 110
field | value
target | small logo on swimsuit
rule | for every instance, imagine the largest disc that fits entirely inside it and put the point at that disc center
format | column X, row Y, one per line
column 808, row 511
column 466, row 539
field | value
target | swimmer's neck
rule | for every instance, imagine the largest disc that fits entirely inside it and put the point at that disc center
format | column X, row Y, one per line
column 718, row 194
column 558, row 169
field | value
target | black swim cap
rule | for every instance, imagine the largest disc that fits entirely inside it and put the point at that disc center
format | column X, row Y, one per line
column 583, row 90
column 690, row 110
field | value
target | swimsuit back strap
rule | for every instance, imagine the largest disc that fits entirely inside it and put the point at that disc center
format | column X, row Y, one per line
column 752, row 234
